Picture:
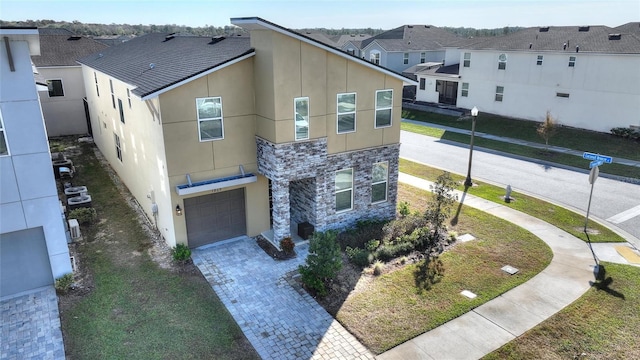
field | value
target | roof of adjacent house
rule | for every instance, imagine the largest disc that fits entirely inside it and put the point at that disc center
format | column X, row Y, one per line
column 629, row 28
column 61, row 47
column 154, row 62
column 598, row 39
column 414, row 37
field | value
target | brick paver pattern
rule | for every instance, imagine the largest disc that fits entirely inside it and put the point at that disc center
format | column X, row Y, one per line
column 279, row 321
column 30, row 327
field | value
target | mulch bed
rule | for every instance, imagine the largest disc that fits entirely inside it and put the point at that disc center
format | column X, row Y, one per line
column 272, row 251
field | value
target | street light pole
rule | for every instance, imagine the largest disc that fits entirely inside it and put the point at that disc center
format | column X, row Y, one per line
column 474, row 114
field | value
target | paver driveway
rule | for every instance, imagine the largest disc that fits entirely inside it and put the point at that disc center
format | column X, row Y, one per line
column 280, row 322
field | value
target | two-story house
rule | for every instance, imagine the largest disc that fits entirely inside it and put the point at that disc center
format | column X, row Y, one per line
column 228, row 136
column 585, row 76
column 63, row 104
column 33, row 242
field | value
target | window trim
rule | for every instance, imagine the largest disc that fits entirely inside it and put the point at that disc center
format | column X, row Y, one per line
column 539, row 60
column 423, row 83
column 386, row 182
column 210, row 119
column 295, row 113
column 129, row 97
column 3, row 130
column 405, row 58
column 375, row 57
column 118, row 145
column 376, row 109
column 354, row 112
column 464, row 92
column 113, row 95
column 466, row 60
column 95, row 77
column 499, row 94
column 572, row 61
column 121, row 110
column 61, row 86
column 336, row 192
column 423, row 57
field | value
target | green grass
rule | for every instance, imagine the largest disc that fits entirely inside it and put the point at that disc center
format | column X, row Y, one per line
column 391, row 309
column 600, row 324
column 138, row 310
column 560, row 217
column 572, row 138
column 554, row 157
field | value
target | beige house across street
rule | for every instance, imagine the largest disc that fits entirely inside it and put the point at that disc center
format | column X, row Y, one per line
column 228, row 136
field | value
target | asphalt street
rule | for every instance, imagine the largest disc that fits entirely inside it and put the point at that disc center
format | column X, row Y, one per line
column 614, row 203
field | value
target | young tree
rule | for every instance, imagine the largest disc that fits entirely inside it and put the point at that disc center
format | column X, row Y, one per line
column 439, row 208
column 547, row 129
column 323, row 262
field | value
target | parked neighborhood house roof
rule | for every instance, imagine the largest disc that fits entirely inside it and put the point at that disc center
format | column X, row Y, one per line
column 156, row 61
column 414, row 37
column 61, row 47
column 598, row 39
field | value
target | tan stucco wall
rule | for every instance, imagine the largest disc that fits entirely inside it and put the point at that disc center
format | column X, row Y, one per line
column 64, row 115
column 287, row 68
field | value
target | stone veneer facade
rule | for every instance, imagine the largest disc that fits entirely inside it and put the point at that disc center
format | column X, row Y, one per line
column 302, row 178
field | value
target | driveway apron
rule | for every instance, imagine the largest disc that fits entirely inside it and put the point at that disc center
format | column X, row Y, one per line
column 279, row 321
column 30, row 327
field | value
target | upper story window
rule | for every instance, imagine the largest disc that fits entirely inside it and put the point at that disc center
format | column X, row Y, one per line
column 405, row 58
column 4, row 147
column 95, row 78
column 343, row 187
column 116, row 140
column 539, row 60
column 572, row 61
column 467, row 60
column 374, row 57
column 346, row 109
column 423, row 84
column 499, row 93
column 301, row 113
column 423, row 57
column 113, row 95
column 55, row 88
column 379, row 179
column 502, row 62
column 465, row 89
column 210, row 124
column 384, row 107
column 129, row 97
column 121, row 110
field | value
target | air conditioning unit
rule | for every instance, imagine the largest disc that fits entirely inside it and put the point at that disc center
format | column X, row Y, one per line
column 74, row 228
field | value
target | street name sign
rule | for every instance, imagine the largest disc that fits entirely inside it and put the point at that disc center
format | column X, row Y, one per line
column 597, row 157
column 595, row 163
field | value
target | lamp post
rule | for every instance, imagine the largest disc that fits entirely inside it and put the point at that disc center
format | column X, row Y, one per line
column 474, row 114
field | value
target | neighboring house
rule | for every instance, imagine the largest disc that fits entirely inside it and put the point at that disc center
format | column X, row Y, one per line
column 403, row 47
column 63, row 104
column 33, row 242
column 221, row 137
column 350, row 43
column 585, row 76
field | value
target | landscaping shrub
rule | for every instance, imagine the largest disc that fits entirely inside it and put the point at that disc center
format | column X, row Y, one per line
column 403, row 209
column 63, row 283
column 323, row 262
column 363, row 232
column 359, row 257
column 287, row 245
column 181, row 253
column 83, row 215
column 378, row 266
column 387, row 252
column 627, row 133
column 399, row 227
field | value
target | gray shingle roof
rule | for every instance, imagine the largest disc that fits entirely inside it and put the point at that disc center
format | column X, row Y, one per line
column 174, row 60
column 414, row 37
column 553, row 38
column 629, row 28
column 60, row 47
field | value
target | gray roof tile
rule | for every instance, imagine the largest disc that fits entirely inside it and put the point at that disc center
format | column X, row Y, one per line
column 414, row 37
column 60, row 47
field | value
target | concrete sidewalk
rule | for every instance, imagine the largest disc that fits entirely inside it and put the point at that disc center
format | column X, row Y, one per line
column 502, row 319
column 559, row 149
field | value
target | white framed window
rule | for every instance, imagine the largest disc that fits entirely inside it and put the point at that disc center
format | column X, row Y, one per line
column 467, row 60
column 116, row 139
column 121, row 111
column 502, row 61
column 465, row 89
column 351, row 51
column 562, row 95
column 346, row 109
column 539, row 59
column 572, row 61
column 384, row 108
column 499, row 93
column 55, row 87
column 344, row 189
column 301, row 113
column 95, row 78
column 113, row 95
column 374, row 57
column 423, row 83
column 129, row 97
column 4, row 146
column 379, row 180
column 423, row 57
column 405, row 58
column 210, row 124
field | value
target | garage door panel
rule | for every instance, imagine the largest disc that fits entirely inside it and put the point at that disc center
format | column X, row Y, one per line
column 215, row 217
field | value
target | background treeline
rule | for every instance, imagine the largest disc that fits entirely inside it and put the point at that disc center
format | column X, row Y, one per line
column 210, row 30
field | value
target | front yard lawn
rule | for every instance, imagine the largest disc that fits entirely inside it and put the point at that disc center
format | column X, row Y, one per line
column 390, row 309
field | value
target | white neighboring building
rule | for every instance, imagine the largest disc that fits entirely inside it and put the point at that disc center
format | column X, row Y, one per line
column 586, row 77
column 33, row 243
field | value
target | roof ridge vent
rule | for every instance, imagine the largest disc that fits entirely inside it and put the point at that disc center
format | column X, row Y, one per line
column 615, row 36
column 543, row 29
column 74, row 37
column 217, row 39
column 583, row 28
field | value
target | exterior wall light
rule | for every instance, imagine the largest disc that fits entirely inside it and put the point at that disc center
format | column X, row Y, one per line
column 178, row 210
